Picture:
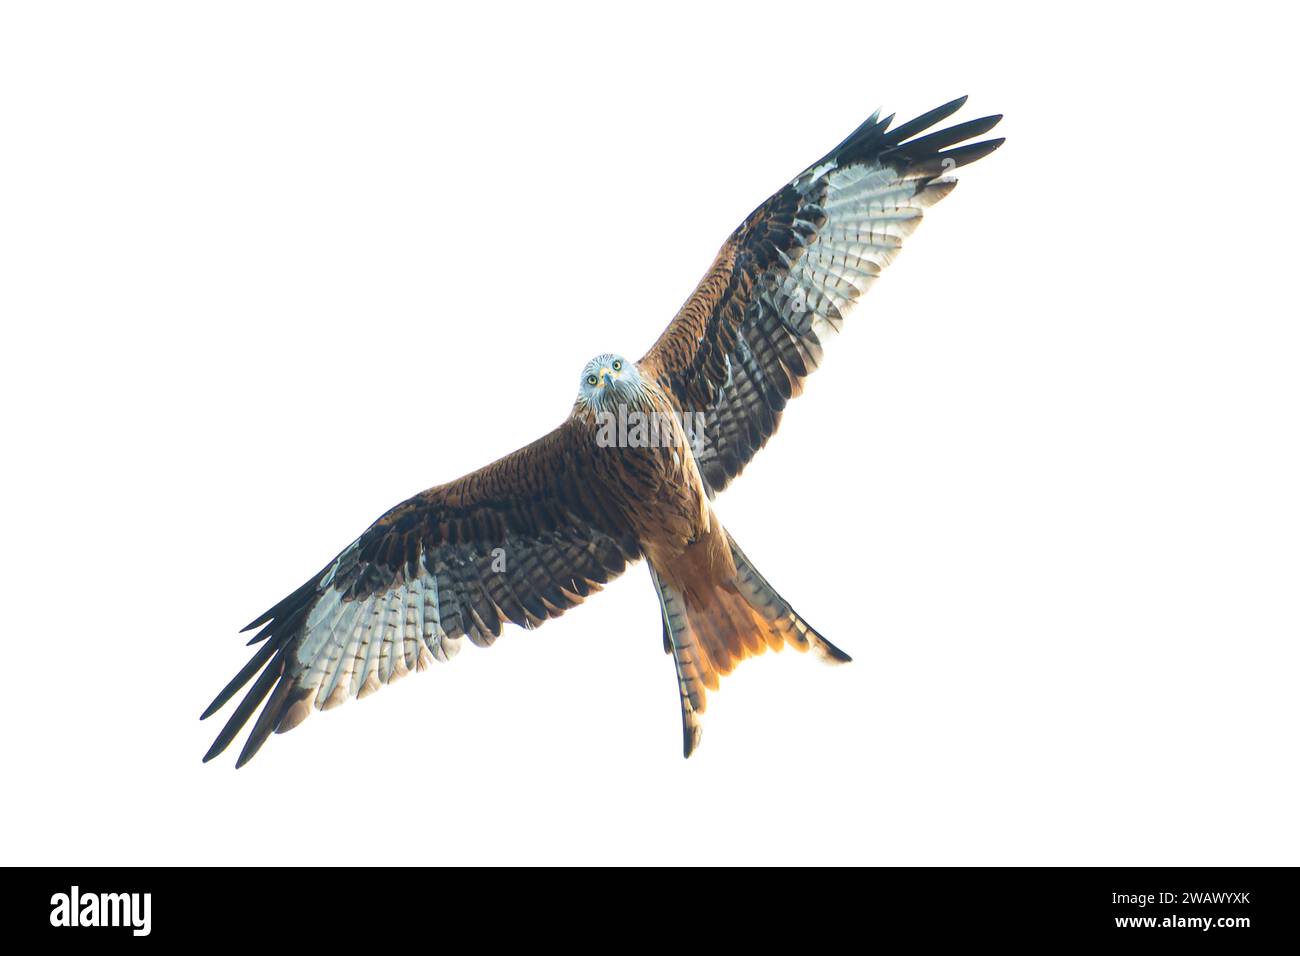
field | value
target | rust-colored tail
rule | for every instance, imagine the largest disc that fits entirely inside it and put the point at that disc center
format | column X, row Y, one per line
column 709, row 634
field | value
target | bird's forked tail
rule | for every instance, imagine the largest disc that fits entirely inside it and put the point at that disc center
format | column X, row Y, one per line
column 709, row 633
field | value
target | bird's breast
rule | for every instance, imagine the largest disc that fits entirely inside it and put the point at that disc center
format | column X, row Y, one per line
column 646, row 462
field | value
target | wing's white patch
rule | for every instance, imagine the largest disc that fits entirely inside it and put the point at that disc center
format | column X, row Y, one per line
column 869, row 210
column 338, row 683
column 813, row 173
column 351, row 648
column 348, row 552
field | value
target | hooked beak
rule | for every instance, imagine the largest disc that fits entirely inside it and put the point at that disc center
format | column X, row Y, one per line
column 606, row 376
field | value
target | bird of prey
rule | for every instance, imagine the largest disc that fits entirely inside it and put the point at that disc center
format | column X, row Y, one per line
column 631, row 472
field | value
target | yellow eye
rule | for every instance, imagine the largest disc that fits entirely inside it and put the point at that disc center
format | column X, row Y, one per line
column 618, row 365
column 591, row 380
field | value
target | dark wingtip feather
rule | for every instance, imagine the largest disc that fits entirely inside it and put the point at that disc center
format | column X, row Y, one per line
column 925, row 121
column 965, row 155
column 239, row 680
column 215, row 749
column 256, row 694
column 870, row 130
column 261, row 635
column 863, row 129
column 286, row 606
column 267, row 721
column 261, row 619
column 932, row 143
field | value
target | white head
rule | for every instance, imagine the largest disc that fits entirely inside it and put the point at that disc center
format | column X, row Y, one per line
column 609, row 380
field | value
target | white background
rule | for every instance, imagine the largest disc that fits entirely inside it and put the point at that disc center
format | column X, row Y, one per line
column 270, row 268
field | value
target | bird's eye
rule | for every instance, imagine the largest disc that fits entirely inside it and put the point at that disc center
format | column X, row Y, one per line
column 591, row 380
column 618, row 365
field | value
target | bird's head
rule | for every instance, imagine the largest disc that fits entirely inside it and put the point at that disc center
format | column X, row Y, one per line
column 608, row 381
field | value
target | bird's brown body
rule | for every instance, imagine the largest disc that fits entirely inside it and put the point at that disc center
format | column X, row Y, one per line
column 654, row 485
column 536, row 532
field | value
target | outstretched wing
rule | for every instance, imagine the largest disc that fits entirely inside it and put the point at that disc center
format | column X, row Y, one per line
column 741, row 346
column 522, row 540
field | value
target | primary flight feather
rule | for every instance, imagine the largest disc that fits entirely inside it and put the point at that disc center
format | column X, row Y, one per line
column 631, row 473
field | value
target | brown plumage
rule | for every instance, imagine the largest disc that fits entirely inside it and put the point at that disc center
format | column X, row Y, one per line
column 529, row 536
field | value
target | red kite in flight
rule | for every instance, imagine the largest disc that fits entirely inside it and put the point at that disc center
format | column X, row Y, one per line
column 630, row 473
